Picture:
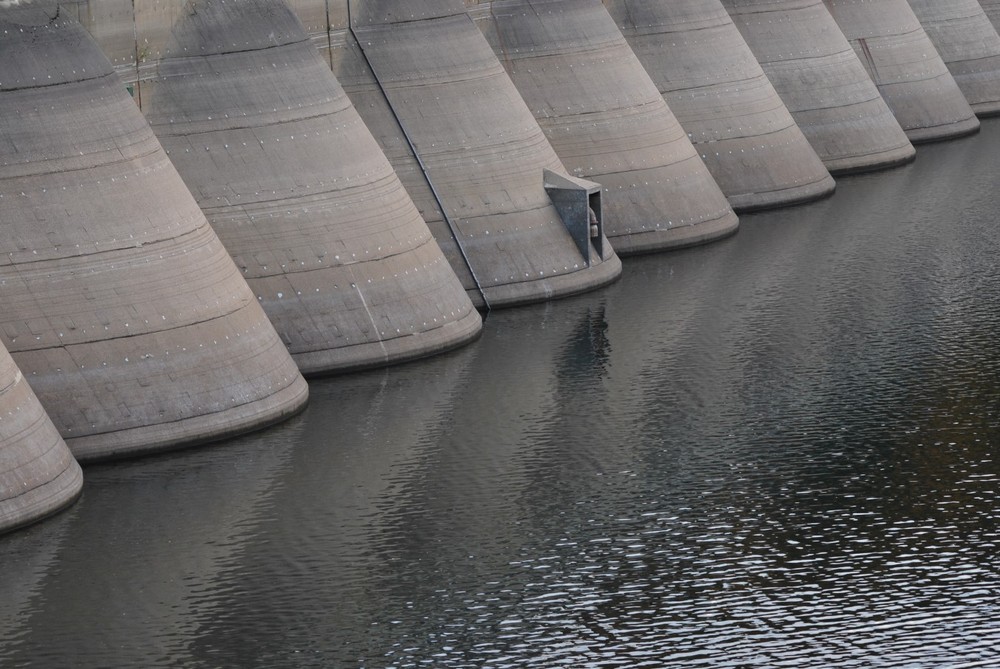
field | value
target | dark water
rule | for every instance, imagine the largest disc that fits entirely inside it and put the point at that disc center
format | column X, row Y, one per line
column 776, row 451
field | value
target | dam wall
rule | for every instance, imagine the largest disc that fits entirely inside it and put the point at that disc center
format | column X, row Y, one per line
column 722, row 98
column 38, row 475
column 120, row 305
column 299, row 192
column 470, row 155
column 970, row 47
column 907, row 69
column 607, row 121
column 823, row 84
column 468, row 149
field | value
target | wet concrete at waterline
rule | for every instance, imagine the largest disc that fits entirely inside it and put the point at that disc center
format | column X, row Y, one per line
column 778, row 450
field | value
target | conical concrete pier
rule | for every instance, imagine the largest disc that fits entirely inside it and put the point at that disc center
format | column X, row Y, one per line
column 120, row 305
column 823, row 84
column 607, row 121
column 906, row 67
column 300, row 193
column 38, row 475
column 970, row 47
column 721, row 96
column 468, row 149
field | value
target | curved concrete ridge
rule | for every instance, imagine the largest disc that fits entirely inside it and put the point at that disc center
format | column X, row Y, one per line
column 721, row 96
column 970, row 47
column 38, row 475
column 907, row 69
column 823, row 84
column 300, row 193
column 121, row 306
column 607, row 121
column 476, row 143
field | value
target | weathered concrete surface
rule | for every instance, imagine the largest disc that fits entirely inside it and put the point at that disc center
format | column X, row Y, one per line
column 479, row 144
column 112, row 25
column 992, row 10
column 970, row 47
column 607, row 121
column 134, row 35
column 722, row 98
column 823, row 84
column 38, row 475
column 300, row 193
column 121, row 306
column 908, row 71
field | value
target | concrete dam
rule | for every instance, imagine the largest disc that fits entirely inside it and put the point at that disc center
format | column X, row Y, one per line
column 339, row 257
column 970, row 47
column 607, row 121
column 721, row 96
column 823, row 84
column 907, row 69
column 205, row 200
column 446, row 100
column 121, row 307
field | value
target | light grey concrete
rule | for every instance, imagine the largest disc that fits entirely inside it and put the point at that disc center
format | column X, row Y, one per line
column 907, row 69
column 722, row 98
column 476, row 140
column 38, row 475
column 992, row 10
column 823, row 84
column 299, row 191
column 607, row 121
column 970, row 47
column 120, row 305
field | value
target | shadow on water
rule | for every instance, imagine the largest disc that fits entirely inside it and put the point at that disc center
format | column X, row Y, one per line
column 776, row 450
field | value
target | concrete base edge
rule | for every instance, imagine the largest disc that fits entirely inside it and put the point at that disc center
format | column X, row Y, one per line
column 942, row 133
column 676, row 238
column 391, row 351
column 541, row 290
column 786, row 197
column 883, row 161
column 986, row 109
column 195, row 431
column 44, row 501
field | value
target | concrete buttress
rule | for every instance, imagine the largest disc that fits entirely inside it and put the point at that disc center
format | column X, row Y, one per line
column 607, row 121
column 824, row 85
column 970, row 47
column 120, row 304
column 906, row 67
column 721, row 96
column 38, row 475
column 467, row 148
column 299, row 191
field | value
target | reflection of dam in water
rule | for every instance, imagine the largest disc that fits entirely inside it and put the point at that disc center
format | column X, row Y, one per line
column 378, row 168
